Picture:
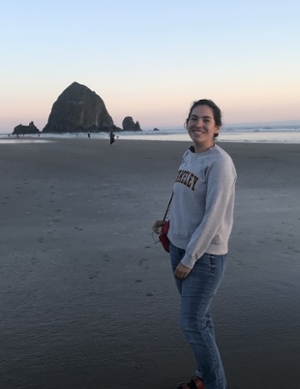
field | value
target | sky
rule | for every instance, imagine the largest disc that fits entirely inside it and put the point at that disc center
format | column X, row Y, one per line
column 151, row 59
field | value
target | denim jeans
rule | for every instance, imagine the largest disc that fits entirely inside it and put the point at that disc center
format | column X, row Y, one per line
column 197, row 292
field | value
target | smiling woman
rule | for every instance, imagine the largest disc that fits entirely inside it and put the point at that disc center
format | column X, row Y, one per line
column 203, row 124
column 201, row 220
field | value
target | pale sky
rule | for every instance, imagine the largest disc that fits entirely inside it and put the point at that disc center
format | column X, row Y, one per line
column 151, row 59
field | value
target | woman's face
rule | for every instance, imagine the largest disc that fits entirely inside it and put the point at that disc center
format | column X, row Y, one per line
column 202, row 127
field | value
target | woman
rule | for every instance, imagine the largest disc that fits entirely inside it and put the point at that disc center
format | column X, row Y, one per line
column 201, row 220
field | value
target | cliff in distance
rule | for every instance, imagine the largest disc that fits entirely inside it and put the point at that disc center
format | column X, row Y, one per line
column 78, row 109
column 129, row 125
column 30, row 129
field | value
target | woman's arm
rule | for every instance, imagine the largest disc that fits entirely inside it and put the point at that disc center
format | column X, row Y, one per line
column 221, row 177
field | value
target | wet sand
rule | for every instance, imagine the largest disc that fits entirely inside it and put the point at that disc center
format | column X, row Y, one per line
column 87, row 298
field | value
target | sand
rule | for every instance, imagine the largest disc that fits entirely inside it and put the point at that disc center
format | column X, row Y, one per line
column 88, row 300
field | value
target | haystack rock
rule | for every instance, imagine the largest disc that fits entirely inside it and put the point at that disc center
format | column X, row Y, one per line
column 78, row 109
column 30, row 129
column 129, row 125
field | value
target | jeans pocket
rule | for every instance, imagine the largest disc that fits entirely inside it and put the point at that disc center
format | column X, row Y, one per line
column 212, row 261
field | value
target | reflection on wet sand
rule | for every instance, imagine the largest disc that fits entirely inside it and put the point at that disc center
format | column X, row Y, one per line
column 14, row 141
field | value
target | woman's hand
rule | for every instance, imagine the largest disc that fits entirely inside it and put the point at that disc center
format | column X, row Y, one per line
column 157, row 226
column 181, row 272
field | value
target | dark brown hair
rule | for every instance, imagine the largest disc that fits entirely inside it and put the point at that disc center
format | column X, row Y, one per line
column 216, row 110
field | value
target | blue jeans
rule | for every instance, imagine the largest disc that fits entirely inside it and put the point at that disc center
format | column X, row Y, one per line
column 197, row 292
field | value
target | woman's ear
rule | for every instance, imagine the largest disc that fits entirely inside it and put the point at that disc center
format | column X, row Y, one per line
column 217, row 130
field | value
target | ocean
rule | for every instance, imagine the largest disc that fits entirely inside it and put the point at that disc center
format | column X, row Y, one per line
column 289, row 134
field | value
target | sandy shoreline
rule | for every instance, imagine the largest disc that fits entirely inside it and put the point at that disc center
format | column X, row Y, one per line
column 88, row 300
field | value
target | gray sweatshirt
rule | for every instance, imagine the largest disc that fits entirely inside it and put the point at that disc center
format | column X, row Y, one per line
column 201, row 214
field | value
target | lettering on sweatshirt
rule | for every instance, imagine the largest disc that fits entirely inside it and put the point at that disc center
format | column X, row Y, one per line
column 187, row 178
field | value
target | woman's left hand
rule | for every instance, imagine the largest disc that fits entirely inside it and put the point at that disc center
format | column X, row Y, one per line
column 181, row 271
column 158, row 225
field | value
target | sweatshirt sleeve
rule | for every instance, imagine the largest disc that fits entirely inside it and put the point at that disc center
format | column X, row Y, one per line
column 221, row 177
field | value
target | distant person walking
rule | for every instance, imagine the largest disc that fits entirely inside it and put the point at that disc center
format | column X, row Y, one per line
column 201, row 220
column 111, row 138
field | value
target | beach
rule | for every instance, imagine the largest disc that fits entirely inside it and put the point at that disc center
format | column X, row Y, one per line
column 88, row 299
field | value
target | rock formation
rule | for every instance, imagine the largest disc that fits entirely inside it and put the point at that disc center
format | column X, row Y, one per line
column 30, row 129
column 78, row 109
column 155, row 129
column 129, row 125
